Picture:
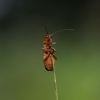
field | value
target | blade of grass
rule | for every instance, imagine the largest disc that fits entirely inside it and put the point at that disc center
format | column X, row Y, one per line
column 55, row 82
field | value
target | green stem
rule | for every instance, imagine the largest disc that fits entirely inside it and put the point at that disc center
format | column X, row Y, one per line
column 55, row 83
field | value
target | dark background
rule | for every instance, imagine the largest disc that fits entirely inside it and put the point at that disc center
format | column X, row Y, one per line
column 22, row 72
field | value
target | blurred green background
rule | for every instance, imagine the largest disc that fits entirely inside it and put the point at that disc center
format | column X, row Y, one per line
column 22, row 72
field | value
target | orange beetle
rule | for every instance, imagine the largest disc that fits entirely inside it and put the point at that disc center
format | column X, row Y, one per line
column 48, row 50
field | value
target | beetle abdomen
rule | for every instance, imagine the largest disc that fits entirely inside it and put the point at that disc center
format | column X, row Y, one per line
column 48, row 63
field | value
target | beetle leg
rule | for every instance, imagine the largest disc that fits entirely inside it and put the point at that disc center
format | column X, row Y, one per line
column 43, row 48
column 54, row 49
column 55, row 57
column 53, row 42
column 46, row 57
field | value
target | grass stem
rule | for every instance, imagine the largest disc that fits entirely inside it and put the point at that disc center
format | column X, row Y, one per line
column 55, row 82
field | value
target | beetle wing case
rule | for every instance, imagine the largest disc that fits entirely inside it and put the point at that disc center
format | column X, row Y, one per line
column 48, row 63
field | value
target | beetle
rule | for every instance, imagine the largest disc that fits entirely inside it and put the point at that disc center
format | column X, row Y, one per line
column 48, row 56
column 48, row 51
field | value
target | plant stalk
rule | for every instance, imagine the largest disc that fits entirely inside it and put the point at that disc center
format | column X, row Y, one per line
column 55, row 83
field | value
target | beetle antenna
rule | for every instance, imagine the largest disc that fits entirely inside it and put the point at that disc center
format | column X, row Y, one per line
column 46, row 28
column 61, row 31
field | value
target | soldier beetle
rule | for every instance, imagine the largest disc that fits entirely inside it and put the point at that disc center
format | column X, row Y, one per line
column 48, row 50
